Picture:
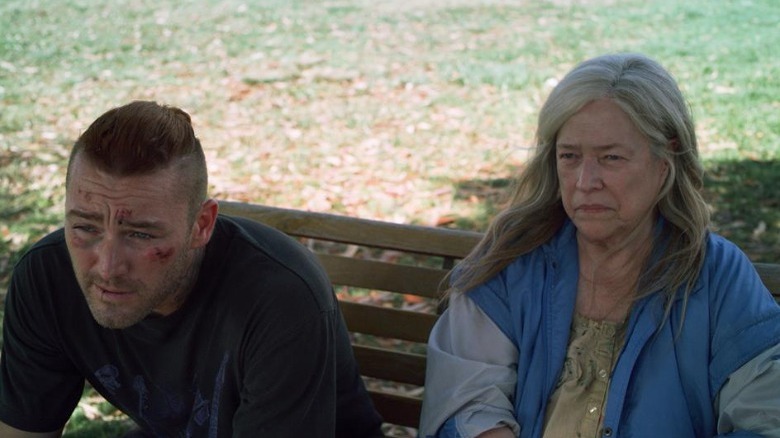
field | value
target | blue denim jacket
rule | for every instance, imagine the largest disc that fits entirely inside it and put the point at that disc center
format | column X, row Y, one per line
column 666, row 379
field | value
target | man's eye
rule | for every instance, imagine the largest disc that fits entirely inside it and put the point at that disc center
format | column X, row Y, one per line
column 85, row 228
column 140, row 235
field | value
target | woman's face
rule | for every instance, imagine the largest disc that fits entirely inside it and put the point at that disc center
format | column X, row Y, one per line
column 609, row 179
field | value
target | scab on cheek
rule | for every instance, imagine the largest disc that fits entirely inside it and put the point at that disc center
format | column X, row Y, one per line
column 160, row 254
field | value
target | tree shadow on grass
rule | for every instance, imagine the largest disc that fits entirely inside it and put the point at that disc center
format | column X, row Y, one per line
column 745, row 205
column 486, row 197
column 744, row 196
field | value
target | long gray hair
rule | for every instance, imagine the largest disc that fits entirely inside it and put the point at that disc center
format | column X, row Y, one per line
column 651, row 98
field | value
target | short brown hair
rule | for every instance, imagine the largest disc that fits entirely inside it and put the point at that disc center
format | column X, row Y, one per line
column 143, row 137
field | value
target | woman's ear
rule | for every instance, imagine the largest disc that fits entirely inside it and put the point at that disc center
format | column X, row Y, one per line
column 672, row 147
column 205, row 220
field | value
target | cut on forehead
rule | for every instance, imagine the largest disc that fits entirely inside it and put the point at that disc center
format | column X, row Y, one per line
column 177, row 184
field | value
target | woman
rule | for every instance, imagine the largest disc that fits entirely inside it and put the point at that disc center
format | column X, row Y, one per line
column 598, row 304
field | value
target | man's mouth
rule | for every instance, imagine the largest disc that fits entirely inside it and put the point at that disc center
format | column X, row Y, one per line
column 113, row 294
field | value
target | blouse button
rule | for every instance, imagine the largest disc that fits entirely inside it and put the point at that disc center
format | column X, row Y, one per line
column 603, row 373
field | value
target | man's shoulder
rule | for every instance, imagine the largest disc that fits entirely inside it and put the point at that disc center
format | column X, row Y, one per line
column 48, row 249
column 253, row 251
column 247, row 238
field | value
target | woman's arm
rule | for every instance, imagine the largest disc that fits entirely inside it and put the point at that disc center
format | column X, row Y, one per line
column 501, row 432
column 471, row 373
column 750, row 399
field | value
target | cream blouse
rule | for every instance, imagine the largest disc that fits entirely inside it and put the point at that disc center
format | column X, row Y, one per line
column 576, row 406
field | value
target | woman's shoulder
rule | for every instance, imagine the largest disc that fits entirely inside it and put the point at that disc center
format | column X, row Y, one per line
column 728, row 274
column 723, row 253
column 529, row 271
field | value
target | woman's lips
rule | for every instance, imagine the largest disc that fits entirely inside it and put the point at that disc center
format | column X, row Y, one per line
column 592, row 208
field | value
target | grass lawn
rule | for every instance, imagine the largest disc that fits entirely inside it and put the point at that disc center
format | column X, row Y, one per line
column 416, row 112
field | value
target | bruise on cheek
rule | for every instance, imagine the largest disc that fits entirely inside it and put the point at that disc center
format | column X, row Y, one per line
column 76, row 241
column 160, row 254
column 123, row 214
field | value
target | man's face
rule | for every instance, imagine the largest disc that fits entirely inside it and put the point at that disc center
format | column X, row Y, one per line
column 133, row 247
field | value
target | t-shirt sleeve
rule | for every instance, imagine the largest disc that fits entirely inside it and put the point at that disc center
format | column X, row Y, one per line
column 39, row 386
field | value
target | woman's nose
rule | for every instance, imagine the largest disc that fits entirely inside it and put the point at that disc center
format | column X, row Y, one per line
column 589, row 177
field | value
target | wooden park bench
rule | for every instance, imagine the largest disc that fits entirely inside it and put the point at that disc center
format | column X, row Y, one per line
column 388, row 278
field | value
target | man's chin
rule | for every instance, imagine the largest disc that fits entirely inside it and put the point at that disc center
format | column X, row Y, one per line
column 114, row 323
column 112, row 320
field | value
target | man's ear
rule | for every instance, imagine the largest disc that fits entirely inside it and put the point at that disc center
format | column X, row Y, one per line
column 205, row 220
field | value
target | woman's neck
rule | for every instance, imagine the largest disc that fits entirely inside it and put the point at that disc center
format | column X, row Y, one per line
column 608, row 276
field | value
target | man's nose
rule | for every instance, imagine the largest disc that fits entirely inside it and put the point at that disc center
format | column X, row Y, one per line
column 111, row 259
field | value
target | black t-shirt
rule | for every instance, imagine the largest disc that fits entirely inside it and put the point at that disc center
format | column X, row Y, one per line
column 258, row 349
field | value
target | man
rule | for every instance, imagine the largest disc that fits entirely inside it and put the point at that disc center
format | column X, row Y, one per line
column 193, row 324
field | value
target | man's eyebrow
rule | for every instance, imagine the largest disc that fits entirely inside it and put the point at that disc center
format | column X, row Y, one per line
column 98, row 217
column 87, row 215
column 141, row 224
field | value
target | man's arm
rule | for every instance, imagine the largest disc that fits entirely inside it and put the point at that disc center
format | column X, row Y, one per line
column 39, row 385
column 7, row 431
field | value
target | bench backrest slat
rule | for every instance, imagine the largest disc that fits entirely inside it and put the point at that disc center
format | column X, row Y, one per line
column 381, row 275
column 387, row 322
column 770, row 275
column 397, row 409
column 409, row 238
column 391, row 365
